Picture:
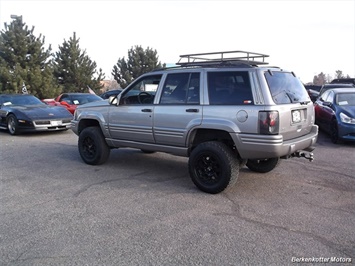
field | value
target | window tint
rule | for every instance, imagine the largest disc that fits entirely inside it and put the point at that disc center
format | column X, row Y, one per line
column 181, row 88
column 286, row 88
column 229, row 88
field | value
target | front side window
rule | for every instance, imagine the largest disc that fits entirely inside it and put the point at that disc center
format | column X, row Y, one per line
column 329, row 97
column 142, row 91
column 181, row 88
column 229, row 88
column 286, row 88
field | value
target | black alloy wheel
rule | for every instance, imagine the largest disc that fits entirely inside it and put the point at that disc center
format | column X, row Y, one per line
column 213, row 167
column 93, row 148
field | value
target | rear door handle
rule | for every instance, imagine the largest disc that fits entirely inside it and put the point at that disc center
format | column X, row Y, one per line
column 192, row 110
column 147, row 110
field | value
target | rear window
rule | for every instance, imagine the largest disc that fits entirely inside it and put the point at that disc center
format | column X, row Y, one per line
column 286, row 88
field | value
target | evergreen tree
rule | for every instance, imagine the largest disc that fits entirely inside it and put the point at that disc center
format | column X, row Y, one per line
column 320, row 79
column 139, row 61
column 74, row 70
column 24, row 60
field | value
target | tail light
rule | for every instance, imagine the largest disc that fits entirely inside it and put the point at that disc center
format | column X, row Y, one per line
column 269, row 122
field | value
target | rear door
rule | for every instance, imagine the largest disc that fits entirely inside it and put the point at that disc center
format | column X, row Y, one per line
column 179, row 108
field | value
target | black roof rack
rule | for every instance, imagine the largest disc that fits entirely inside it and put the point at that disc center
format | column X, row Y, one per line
column 222, row 58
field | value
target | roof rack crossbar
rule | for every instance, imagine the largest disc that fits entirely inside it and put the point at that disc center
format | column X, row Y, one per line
column 219, row 57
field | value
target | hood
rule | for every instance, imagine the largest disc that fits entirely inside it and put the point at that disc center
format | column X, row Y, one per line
column 43, row 111
column 94, row 104
column 348, row 110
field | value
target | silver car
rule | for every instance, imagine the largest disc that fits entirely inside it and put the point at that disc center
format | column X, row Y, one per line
column 222, row 113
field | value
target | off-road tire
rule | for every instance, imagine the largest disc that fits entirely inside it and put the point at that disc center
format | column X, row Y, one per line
column 263, row 166
column 93, row 148
column 213, row 167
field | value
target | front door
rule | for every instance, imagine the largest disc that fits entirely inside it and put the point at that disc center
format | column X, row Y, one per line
column 132, row 119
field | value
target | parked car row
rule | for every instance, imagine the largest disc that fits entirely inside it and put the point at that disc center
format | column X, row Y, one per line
column 335, row 113
column 24, row 113
column 314, row 91
column 71, row 100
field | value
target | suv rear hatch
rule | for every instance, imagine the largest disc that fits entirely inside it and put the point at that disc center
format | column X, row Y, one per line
column 296, row 111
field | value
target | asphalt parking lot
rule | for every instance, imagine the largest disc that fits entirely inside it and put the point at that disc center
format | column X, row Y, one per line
column 143, row 209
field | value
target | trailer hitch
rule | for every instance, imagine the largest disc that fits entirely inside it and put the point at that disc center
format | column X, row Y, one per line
column 301, row 154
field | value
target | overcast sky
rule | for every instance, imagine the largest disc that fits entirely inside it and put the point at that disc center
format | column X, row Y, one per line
column 307, row 37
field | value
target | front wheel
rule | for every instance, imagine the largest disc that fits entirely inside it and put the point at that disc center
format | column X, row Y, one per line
column 12, row 124
column 263, row 166
column 334, row 133
column 213, row 167
column 93, row 148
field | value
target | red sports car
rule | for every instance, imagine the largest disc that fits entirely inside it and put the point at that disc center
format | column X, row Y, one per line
column 72, row 100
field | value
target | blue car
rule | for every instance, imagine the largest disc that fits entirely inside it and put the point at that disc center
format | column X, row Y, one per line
column 335, row 113
column 24, row 112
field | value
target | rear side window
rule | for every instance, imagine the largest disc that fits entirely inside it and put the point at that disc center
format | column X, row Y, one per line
column 286, row 88
column 229, row 88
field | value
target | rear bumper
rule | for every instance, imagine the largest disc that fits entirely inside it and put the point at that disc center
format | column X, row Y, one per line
column 271, row 146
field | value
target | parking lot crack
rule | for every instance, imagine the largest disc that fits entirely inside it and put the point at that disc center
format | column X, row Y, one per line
column 87, row 187
column 236, row 211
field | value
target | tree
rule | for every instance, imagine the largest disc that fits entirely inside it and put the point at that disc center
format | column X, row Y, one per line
column 24, row 60
column 74, row 70
column 339, row 74
column 320, row 79
column 139, row 61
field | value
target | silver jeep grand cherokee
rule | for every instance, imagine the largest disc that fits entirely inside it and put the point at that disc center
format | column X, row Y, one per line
column 223, row 110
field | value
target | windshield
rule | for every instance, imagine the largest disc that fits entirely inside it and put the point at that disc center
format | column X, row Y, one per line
column 286, row 88
column 346, row 99
column 82, row 99
column 20, row 100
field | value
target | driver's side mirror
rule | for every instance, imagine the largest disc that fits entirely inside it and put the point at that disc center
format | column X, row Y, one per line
column 114, row 99
column 329, row 104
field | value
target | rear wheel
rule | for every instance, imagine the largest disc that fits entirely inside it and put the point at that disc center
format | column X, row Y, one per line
column 263, row 166
column 12, row 124
column 213, row 167
column 93, row 148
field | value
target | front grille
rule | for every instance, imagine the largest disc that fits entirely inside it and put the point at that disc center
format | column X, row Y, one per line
column 42, row 122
